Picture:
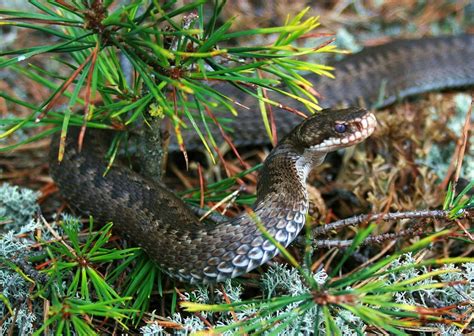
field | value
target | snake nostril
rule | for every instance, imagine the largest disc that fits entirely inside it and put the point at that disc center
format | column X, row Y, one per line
column 362, row 125
column 357, row 126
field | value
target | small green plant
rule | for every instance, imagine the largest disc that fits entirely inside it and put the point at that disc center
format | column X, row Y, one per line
column 173, row 52
column 77, row 289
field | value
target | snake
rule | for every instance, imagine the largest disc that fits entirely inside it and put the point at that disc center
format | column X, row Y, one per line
column 151, row 216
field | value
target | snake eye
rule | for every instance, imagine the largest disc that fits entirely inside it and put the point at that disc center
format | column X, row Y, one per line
column 340, row 128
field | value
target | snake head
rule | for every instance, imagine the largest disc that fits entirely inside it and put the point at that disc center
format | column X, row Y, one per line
column 332, row 129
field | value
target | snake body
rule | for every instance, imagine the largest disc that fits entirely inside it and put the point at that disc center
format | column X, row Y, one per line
column 152, row 217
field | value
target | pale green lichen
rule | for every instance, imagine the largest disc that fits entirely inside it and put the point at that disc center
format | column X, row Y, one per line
column 152, row 329
column 15, row 289
column 17, row 206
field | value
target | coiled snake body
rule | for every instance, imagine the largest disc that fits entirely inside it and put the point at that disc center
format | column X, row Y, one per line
column 151, row 216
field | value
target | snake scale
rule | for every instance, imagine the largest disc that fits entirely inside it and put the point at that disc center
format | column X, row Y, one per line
column 153, row 217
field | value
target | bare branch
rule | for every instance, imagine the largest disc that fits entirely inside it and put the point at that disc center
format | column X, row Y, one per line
column 443, row 214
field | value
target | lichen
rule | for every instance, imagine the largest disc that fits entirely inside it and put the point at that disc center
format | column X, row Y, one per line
column 17, row 205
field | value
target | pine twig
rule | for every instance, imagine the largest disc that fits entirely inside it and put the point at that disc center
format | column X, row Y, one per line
column 378, row 239
column 442, row 214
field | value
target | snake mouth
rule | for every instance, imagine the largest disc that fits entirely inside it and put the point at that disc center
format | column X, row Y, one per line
column 360, row 129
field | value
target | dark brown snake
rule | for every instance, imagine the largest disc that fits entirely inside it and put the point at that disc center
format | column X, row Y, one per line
column 154, row 218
